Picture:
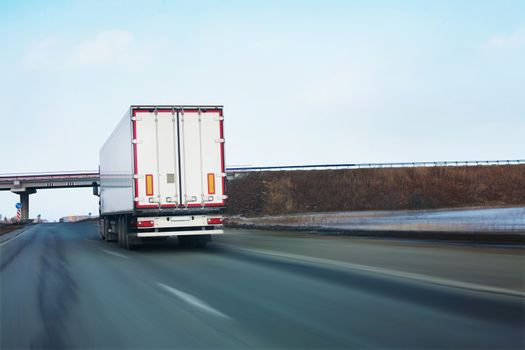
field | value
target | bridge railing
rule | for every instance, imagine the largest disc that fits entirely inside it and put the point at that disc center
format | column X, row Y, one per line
column 78, row 174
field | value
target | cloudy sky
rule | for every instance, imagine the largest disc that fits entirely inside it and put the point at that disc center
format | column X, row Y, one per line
column 302, row 82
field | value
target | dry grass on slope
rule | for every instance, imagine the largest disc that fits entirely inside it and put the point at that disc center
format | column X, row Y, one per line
column 284, row 192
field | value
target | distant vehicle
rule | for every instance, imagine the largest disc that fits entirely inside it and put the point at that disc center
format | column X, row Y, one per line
column 162, row 174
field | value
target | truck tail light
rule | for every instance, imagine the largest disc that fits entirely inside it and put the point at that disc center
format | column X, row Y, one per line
column 146, row 223
column 149, row 185
column 214, row 221
column 211, row 183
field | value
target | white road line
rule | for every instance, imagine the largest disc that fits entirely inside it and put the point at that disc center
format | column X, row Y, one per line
column 114, row 254
column 190, row 299
column 394, row 273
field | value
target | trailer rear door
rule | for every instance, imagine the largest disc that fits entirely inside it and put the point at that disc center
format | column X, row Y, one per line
column 179, row 158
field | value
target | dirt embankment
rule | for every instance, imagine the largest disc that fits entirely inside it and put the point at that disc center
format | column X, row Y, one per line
column 285, row 192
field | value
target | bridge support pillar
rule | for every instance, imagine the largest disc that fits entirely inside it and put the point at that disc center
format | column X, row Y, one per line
column 24, row 200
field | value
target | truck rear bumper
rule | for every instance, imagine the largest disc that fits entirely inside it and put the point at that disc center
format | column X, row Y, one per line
column 180, row 233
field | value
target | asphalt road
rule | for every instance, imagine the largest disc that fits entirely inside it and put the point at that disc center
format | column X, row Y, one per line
column 61, row 287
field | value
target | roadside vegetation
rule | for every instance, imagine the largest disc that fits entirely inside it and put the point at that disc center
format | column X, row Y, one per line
column 286, row 192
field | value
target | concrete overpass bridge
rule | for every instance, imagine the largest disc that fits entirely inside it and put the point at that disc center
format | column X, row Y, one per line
column 27, row 184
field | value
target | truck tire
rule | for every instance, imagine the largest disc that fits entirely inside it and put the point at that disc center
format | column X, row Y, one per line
column 127, row 241
column 108, row 236
column 124, row 227
column 101, row 229
column 118, row 225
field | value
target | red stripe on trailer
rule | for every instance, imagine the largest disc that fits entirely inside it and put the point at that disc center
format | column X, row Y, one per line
column 135, row 157
column 223, row 169
column 181, row 109
column 136, row 171
column 222, row 159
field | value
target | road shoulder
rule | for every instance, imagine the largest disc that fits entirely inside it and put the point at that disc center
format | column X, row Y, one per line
column 6, row 237
column 488, row 268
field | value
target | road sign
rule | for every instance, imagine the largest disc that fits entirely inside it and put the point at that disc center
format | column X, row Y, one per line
column 18, row 206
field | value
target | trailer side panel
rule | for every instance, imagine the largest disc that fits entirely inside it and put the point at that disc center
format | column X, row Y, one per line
column 116, row 170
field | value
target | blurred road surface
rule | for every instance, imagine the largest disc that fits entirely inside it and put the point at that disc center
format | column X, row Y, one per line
column 61, row 287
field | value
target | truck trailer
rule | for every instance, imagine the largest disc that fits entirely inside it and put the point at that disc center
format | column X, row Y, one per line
column 162, row 174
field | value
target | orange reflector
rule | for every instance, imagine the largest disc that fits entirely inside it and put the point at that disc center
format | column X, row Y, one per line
column 149, row 185
column 211, row 183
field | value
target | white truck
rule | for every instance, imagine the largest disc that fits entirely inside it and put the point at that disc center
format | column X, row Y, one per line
column 162, row 174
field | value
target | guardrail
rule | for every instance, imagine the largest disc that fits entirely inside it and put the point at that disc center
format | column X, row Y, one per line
column 378, row 165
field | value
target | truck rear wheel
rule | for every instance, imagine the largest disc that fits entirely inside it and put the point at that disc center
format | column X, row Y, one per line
column 118, row 225
column 124, row 228
column 128, row 242
column 101, row 229
column 109, row 236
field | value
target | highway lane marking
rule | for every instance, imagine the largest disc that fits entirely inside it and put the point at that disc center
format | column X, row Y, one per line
column 388, row 272
column 115, row 254
column 194, row 301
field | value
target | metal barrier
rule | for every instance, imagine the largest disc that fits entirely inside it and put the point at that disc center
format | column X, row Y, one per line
column 377, row 165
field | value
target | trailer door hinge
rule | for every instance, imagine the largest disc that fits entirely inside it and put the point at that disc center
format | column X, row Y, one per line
column 136, row 118
column 219, row 140
column 137, row 141
column 171, row 199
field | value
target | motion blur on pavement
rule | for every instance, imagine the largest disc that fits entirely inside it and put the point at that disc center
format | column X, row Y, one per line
column 66, row 288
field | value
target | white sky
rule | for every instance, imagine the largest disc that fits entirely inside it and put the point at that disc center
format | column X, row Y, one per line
column 302, row 82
